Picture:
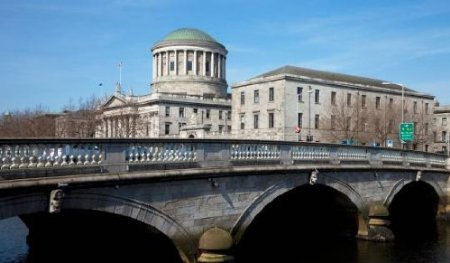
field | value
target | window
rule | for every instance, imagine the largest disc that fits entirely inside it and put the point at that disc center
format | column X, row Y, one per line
column 220, row 115
column 271, row 119
column 316, row 121
column 415, row 127
column 444, row 136
column 349, row 99
column 242, row 98
column 333, row 122
column 426, row 128
column 220, row 128
column 333, row 98
column 391, row 103
column 316, row 96
column 167, row 128
column 208, row 113
column 300, row 93
column 167, row 111
column 415, row 107
column 195, row 110
column 348, row 124
column 228, row 115
column 256, row 96
column 181, row 112
column 363, row 101
column 434, row 136
column 189, row 65
column 426, row 108
column 255, row 121
column 242, row 120
column 377, row 102
column 444, row 121
column 271, row 94
column 172, row 66
column 300, row 120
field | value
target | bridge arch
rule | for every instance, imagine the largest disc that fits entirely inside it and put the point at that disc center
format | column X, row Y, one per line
column 413, row 207
column 138, row 211
column 398, row 186
column 38, row 202
column 277, row 190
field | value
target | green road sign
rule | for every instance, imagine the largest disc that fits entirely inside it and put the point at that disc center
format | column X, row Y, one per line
column 407, row 131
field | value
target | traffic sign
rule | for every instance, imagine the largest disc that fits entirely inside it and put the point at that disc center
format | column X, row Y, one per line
column 407, row 131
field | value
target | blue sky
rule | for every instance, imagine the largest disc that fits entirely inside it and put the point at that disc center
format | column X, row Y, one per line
column 52, row 53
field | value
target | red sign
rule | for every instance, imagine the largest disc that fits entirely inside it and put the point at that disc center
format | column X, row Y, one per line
column 298, row 129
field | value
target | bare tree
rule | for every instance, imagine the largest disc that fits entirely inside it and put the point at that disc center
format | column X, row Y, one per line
column 28, row 123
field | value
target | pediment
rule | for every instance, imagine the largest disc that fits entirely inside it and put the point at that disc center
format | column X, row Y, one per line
column 114, row 101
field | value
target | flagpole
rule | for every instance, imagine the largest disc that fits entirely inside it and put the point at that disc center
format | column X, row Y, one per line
column 120, row 73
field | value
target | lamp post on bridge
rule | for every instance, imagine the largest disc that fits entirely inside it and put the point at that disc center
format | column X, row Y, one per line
column 403, row 105
column 309, row 137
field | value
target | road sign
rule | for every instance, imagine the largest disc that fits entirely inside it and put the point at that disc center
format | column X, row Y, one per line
column 407, row 131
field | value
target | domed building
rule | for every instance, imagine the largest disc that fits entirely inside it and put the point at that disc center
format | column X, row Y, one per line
column 188, row 97
column 189, row 61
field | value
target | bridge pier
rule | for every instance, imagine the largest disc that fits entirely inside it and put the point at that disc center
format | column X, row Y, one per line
column 377, row 226
column 215, row 245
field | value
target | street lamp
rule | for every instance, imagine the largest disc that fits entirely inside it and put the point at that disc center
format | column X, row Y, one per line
column 403, row 96
column 403, row 102
column 309, row 138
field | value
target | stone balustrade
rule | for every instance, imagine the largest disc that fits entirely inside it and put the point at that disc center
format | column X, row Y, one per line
column 56, row 153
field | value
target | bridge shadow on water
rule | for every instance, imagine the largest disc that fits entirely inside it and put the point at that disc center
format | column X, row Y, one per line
column 308, row 224
column 82, row 236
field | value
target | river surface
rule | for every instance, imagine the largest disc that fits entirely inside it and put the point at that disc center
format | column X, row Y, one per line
column 13, row 248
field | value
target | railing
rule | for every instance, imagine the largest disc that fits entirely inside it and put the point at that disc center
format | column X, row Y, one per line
column 121, row 154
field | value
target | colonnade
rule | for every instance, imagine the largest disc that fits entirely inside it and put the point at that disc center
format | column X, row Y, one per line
column 195, row 62
column 123, row 126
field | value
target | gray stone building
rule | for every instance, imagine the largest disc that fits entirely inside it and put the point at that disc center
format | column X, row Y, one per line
column 292, row 103
column 189, row 99
column 441, row 129
column 189, row 93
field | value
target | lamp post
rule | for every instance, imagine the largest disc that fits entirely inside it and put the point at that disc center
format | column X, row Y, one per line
column 309, row 114
column 403, row 102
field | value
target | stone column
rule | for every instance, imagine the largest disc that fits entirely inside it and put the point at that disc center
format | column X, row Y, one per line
column 219, row 65
column 204, row 63
column 212, row 65
column 195, row 63
column 153, row 67
column 167, row 63
column 158, row 61
column 224, row 67
column 185, row 62
column 176, row 61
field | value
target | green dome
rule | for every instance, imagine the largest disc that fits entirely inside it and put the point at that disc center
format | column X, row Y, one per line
column 188, row 34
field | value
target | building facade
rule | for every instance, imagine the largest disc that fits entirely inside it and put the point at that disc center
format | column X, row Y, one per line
column 189, row 93
column 441, row 129
column 298, row 104
column 189, row 100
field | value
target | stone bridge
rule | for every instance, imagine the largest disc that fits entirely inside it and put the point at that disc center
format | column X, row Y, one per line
column 211, row 199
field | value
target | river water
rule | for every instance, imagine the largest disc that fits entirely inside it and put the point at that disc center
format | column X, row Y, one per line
column 13, row 248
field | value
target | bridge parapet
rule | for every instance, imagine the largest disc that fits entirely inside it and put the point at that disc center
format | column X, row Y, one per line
column 119, row 155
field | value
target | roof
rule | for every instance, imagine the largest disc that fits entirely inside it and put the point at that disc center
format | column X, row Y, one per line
column 188, row 34
column 331, row 76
